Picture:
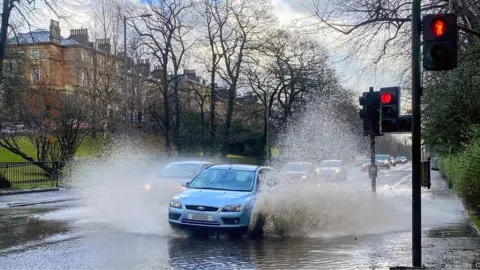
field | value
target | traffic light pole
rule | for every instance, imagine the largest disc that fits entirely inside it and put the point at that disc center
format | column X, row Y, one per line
column 373, row 165
column 416, row 141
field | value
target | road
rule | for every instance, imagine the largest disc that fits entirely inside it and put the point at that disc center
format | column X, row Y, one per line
column 336, row 226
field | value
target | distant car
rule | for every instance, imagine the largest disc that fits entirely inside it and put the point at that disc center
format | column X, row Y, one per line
column 221, row 198
column 298, row 170
column 178, row 173
column 401, row 160
column 383, row 161
column 393, row 162
column 359, row 160
column 332, row 170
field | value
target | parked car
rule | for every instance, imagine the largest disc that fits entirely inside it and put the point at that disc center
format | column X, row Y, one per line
column 332, row 170
column 177, row 173
column 221, row 198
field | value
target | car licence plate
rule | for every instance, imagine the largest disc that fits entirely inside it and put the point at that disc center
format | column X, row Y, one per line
column 200, row 217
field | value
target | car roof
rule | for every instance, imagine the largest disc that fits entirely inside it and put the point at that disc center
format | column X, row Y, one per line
column 240, row 167
column 192, row 162
column 298, row 162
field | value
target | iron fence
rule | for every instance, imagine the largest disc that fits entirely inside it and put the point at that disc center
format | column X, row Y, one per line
column 26, row 175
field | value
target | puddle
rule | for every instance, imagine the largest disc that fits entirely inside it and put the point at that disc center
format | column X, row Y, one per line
column 18, row 226
column 454, row 231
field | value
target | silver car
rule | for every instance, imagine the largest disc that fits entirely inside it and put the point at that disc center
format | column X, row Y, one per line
column 332, row 170
column 178, row 173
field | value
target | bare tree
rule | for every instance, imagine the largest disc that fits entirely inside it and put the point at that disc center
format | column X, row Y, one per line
column 289, row 70
column 371, row 22
column 211, row 22
column 240, row 26
column 164, row 36
column 101, row 66
column 54, row 124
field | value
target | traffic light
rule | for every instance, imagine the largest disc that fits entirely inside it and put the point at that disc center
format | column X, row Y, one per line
column 440, row 37
column 389, row 109
column 405, row 124
column 370, row 113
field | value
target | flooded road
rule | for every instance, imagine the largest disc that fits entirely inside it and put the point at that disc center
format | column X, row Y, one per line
column 63, row 235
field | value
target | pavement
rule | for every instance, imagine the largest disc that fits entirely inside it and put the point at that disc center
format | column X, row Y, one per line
column 347, row 230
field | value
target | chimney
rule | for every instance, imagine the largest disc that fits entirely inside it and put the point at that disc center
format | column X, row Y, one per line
column 190, row 74
column 143, row 67
column 54, row 31
column 157, row 72
column 80, row 36
column 104, row 45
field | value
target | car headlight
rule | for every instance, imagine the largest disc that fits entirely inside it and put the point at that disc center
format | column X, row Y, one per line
column 386, row 162
column 233, row 208
column 363, row 165
column 337, row 171
column 147, row 187
column 317, row 170
column 304, row 177
column 175, row 204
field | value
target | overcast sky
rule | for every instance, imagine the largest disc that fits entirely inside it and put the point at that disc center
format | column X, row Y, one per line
column 286, row 11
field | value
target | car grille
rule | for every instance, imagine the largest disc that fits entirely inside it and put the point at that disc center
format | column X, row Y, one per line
column 205, row 208
column 198, row 222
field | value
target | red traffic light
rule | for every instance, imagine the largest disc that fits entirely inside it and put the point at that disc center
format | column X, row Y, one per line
column 439, row 27
column 386, row 98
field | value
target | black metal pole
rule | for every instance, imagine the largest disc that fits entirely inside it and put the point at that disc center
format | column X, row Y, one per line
column 373, row 165
column 373, row 174
column 416, row 142
column 125, row 64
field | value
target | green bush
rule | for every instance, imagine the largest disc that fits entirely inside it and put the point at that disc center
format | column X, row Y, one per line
column 462, row 170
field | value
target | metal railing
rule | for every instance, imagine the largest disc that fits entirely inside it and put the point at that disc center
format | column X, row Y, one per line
column 26, row 175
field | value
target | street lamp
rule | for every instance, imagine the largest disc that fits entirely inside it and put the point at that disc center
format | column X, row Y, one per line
column 125, row 96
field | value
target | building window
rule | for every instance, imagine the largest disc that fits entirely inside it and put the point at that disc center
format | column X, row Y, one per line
column 36, row 54
column 36, row 75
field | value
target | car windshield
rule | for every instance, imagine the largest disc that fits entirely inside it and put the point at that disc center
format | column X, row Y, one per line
column 297, row 166
column 224, row 179
column 331, row 163
column 359, row 157
column 179, row 171
column 401, row 158
column 382, row 157
column 367, row 161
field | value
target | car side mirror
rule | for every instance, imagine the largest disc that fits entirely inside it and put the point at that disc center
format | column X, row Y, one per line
column 185, row 184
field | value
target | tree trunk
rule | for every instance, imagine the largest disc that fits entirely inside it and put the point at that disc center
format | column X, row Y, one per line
column 202, row 123
column 105, row 131
column 228, row 123
column 177, row 117
column 166, row 110
column 6, row 11
column 212, row 126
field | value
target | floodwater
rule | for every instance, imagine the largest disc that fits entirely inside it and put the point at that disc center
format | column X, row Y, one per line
column 340, row 228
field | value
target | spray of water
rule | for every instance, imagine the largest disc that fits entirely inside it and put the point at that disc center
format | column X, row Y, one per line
column 114, row 193
column 316, row 207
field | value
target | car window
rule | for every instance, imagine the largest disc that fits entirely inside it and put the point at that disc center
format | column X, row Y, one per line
column 224, row 179
column 180, row 171
column 331, row 163
column 297, row 166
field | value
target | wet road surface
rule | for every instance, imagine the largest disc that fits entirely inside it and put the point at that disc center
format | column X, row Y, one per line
column 64, row 235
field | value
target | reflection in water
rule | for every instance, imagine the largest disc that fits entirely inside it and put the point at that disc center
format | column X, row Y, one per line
column 19, row 227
